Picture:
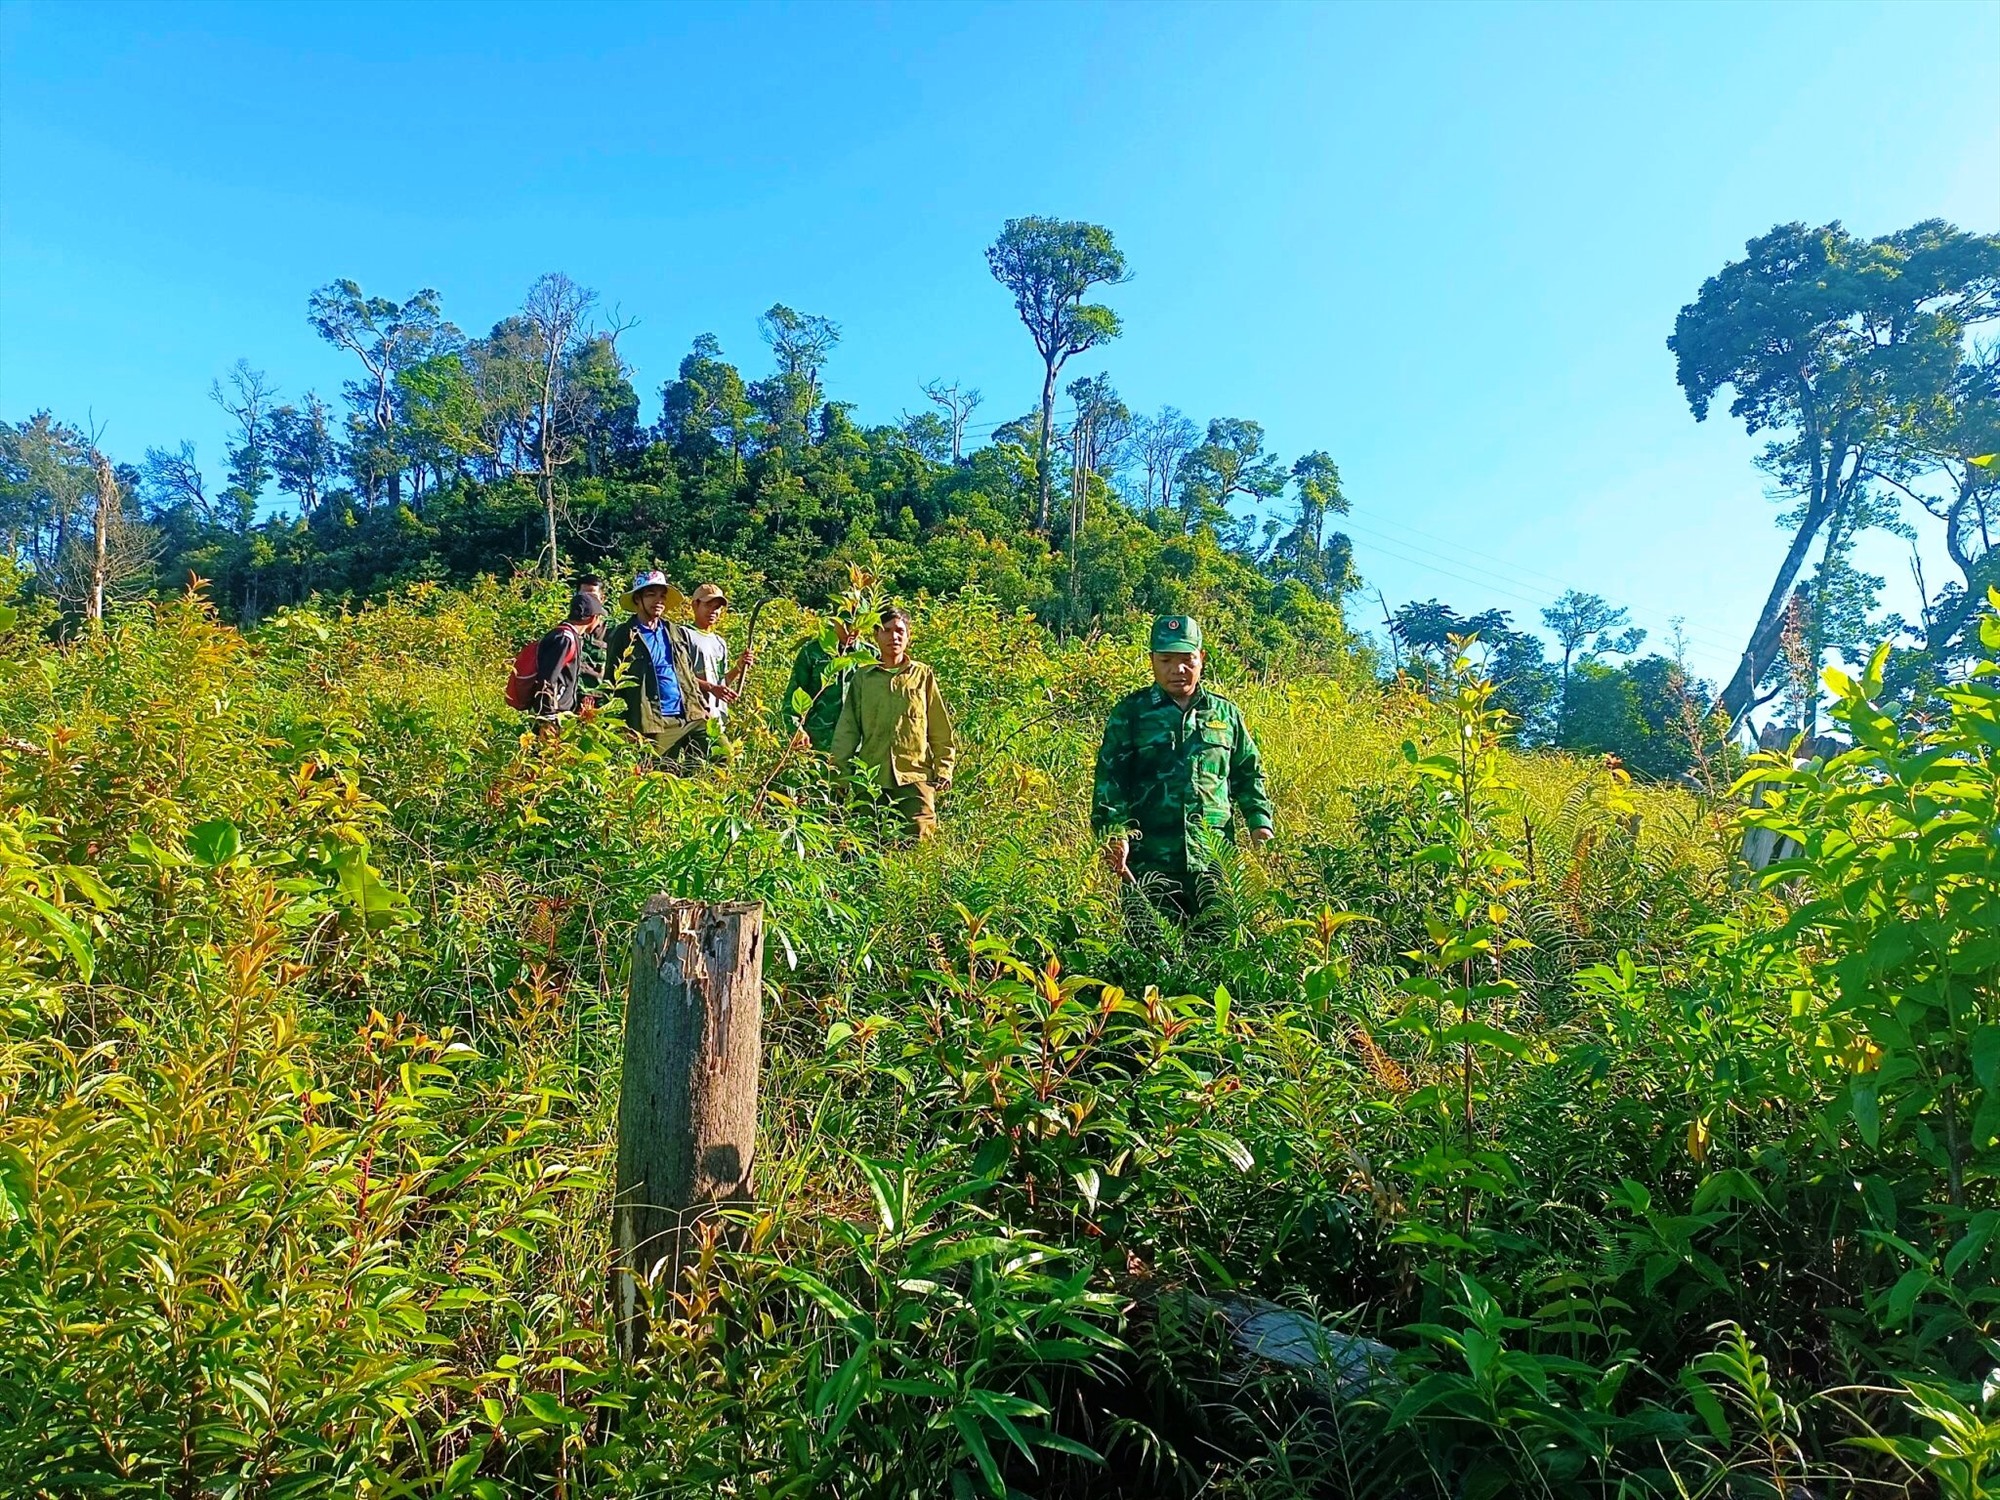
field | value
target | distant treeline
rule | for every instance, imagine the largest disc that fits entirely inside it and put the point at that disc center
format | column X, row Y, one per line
column 448, row 456
column 451, row 455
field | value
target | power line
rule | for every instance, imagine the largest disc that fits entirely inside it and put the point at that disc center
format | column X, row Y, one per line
column 1508, row 579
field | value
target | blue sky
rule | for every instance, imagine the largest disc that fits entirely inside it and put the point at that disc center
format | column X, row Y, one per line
column 1443, row 243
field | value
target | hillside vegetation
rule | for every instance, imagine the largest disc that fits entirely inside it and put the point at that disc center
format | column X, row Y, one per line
column 1654, row 1178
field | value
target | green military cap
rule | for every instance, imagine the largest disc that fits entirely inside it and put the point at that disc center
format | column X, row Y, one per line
column 1176, row 633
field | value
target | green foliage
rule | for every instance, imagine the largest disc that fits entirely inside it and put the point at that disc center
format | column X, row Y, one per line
column 1655, row 1178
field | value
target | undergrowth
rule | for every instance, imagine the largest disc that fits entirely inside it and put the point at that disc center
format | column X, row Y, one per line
column 1654, row 1178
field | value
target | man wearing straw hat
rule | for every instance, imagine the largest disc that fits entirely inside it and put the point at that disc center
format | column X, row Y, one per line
column 648, row 660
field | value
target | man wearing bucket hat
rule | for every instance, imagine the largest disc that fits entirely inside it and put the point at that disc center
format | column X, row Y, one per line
column 648, row 660
column 1174, row 758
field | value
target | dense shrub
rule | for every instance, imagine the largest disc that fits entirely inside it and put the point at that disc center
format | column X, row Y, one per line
column 1656, row 1177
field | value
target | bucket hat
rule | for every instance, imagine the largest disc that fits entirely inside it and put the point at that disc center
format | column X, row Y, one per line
column 651, row 578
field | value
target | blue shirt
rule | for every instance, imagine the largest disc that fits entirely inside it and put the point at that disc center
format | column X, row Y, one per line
column 660, row 648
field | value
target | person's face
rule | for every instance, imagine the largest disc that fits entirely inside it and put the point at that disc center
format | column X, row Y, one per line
column 892, row 639
column 595, row 590
column 708, row 612
column 1177, row 672
column 652, row 603
column 846, row 634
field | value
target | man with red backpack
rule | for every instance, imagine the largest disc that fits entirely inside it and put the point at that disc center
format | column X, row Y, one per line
column 565, row 673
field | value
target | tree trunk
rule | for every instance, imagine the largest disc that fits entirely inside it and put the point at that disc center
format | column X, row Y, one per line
column 549, row 515
column 687, row 1108
column 107, row 516
column 1051, row 366
column 1829, row 495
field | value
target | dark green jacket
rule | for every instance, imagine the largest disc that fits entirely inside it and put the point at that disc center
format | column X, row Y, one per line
column 809, row 676
column 1166, row 777
column 628, row 670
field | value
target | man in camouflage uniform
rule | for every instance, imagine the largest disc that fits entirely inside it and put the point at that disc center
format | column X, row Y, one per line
column 1174, row 757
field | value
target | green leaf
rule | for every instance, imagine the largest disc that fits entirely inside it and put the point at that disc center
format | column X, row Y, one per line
column 975, row 1444
column 1985, row 1055
column 888, row 1193
column 215, row 843
column 66, row 932
column 1480, row 1034
column 151, row 853
column 1707, row 1405
column 1867, row 1112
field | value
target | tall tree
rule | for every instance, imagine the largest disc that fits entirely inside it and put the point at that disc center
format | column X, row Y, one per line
column 706, row 411
column 1824, row 338
column 1161, row 442
column 386, row 336
column 1942, row 458
column 248, row 398
column 175, row 481
column 1231, row 461
column 1304, row 549
column 1587, row 628
column 606, row 406
column 1050, row 265
column 555, row 308
column 959, row 403
column 1104, row 421
column 802, row 343
column 303, row 452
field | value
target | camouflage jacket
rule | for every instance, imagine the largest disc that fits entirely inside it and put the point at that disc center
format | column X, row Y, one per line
column 1167, row 776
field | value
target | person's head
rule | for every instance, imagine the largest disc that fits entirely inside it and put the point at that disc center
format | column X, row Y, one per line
column 591, row 584
column 1177, row 656
column 847, row 633
column 586, row 610
column 709, row 603
column 892, row 636
column 647, row 598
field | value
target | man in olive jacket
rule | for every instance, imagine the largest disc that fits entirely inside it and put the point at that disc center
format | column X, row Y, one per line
column 647, row 659
column 894, row 722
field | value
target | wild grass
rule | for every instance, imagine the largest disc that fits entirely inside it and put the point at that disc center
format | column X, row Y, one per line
column 313, row 969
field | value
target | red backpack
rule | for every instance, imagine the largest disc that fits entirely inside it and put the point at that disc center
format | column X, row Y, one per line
column 524, row 681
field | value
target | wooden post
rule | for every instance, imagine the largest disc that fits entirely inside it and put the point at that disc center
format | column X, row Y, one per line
column 687, row 1111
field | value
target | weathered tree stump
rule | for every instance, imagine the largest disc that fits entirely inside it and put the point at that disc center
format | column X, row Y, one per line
column 687, row 1113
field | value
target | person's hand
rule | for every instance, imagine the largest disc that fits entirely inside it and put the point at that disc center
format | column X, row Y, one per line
column 747, row 661
column 801, row 740
column 1117, row 854
column 943, row 784
column 1260, row 836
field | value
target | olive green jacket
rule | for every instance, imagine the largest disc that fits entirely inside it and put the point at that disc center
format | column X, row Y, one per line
column 824, row 694
column 628, row 671
column 895, row 723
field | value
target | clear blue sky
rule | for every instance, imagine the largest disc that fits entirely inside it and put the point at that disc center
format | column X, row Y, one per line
column 1443, row 243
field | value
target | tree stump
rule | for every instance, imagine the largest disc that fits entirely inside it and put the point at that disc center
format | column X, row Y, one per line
column 687, row 1112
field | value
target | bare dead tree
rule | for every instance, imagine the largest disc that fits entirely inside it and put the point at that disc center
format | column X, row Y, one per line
column 119, row 550
column 557, row 308
column 1161, row 442
column 959, row 402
